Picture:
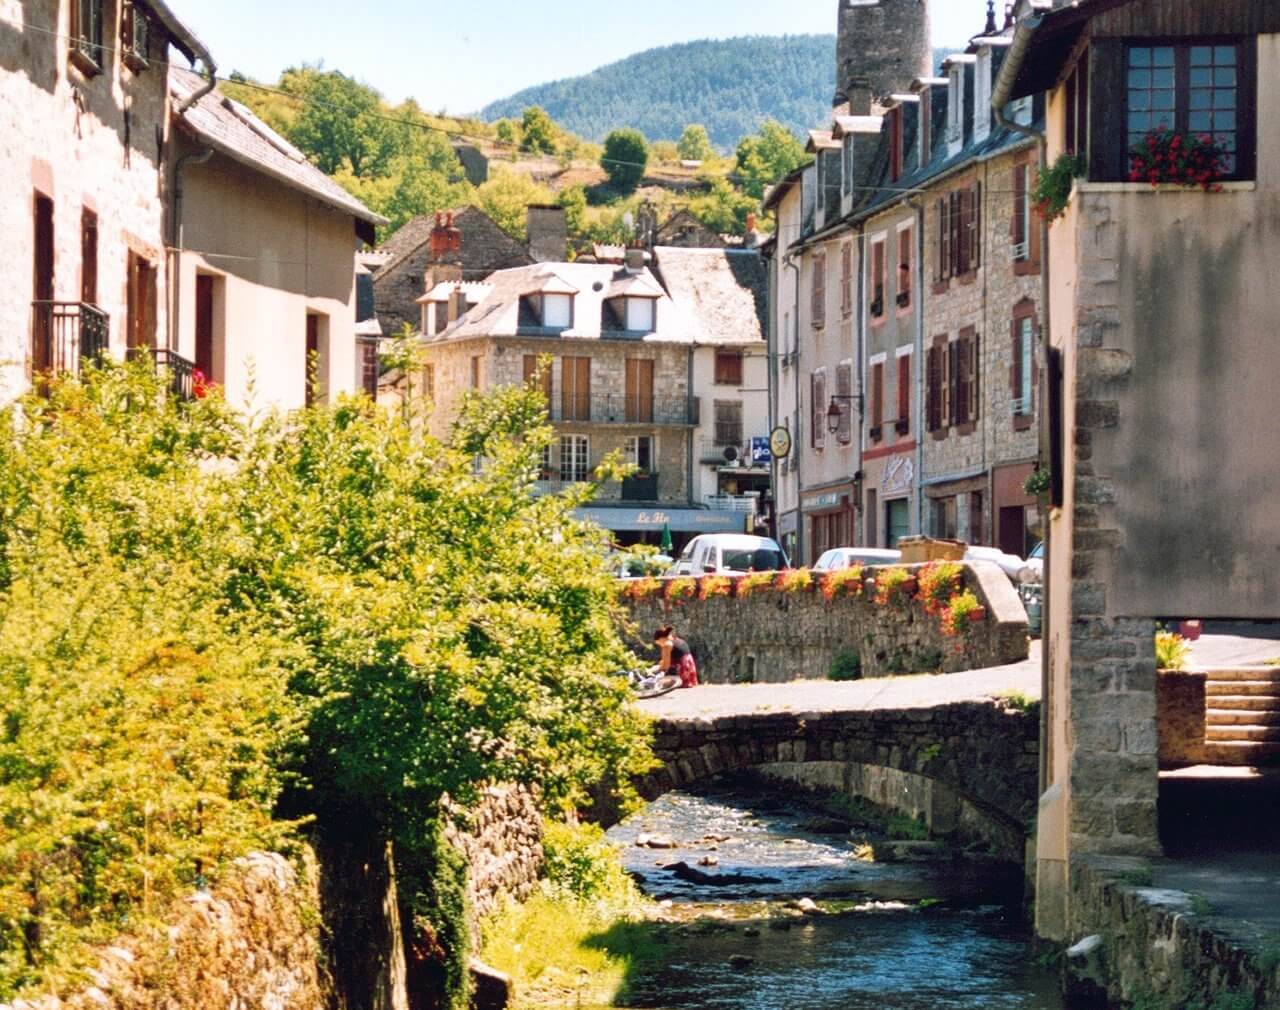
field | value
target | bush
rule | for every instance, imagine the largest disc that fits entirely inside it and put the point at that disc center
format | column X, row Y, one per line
column 580, row 862
column 1173, row 652
column 846, row 666
column 626, row 155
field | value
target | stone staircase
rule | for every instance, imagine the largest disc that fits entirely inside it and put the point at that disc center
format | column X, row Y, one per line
column 1242, row 715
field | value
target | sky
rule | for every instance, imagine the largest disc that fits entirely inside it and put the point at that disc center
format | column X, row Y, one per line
column 458, row 57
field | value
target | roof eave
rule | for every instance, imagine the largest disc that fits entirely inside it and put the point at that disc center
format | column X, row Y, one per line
column 182, row 37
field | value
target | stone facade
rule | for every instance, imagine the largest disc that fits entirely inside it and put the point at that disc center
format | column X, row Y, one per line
column 1180, row 717
column 886, row 43
column 93, row 146
column 984, row 752
column 773, row 636
column 501, row 838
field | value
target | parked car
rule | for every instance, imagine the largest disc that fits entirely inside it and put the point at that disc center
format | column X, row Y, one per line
column 727, row 553
column 1031, row 588
column 1010, row 564
column 847, row 557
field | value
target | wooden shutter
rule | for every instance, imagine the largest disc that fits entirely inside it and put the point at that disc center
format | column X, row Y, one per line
column 1107, row 142
column 904, row 393
column 1015, row 368
column 1018, row 222
column 975, row 226
column 944, row 238
column 575, row 388
column 818, row 397
column 818, row 306
column 972, row 379
column 877, row 398
column 639, row 390
column 88, row 257
column 933, row 389
column 951, row 384
column 904, row 267
column 844, row 390
column 531, row 374
column 846, row 278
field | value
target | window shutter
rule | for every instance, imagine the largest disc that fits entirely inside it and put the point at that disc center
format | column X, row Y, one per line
column 877, row 395
column 972, row 379
column 819, row 409
column 844, row 389
column 933, row 408
column 952, row 383
column 1018, row 223
column 904, row 392
column 944, row 241
column 975, row 226
column 1015, row 366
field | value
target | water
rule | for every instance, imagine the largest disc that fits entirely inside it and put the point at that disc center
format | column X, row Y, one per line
column 938, row 936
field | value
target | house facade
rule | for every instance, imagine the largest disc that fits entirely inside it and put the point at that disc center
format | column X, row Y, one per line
column 1159, row 374
column 263, row 278
column 85, row 100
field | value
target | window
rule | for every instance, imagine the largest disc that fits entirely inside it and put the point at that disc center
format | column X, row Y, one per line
column 959, row 235
column 844, row 393
column 1022, row 374
column 955, row 104
column 210, row 320
column 640, row 314
column 639, row 452
column 977, row 519
column 846, row 279
column 575, row 458
column 477, row 372
column 135, row 38
column 1021, row 229
column 312, row 373
column 877, row 401
column 557, row 311
column 962, row 373
column 944, row 518
column 536, row 377
column 728, row 422
column 818, row 409
column 903, row 424
column 818, row 292
column 86, row 35
column 368, row 364
column 904, row 268
column 575, row 389
column 728, row 368
column 877, row 279
column 639, row 390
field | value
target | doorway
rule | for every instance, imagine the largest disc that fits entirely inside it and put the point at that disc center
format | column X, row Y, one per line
column 42, row 289
column 897, row 520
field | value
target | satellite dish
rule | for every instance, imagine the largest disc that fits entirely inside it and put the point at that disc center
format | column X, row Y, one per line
column 730, row 453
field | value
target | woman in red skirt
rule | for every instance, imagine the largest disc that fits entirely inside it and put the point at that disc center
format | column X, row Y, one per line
column 677, row 657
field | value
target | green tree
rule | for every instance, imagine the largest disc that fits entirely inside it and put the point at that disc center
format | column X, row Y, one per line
column 626, row 154
column 574, row 202
column 507, row 131
column 664, row 152
column 723, row 208
column 506, row 198
column 339, row 123
column 694, row 144
column 538, row 131
column 766, row 157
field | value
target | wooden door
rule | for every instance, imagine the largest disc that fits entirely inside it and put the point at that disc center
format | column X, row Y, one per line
column 639, row 390
column 1013, row 530
column 89, row 257
column 141, row 298
column 531, row 377
column 42, row 289
column 575, row 389
column 204, row 325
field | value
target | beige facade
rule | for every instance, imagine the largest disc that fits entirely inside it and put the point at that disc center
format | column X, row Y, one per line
column 82, row 158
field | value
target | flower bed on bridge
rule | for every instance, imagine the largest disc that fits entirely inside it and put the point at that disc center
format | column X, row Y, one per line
column 765, row 626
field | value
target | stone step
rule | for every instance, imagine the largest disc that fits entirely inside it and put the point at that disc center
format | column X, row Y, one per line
column 1246, row 702
column 1243, row 716
column 1241, row 733
column 1234, row 753
column 1213, row 688
column 1271, row 673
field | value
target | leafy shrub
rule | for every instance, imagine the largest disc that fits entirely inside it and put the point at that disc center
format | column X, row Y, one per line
column 795, row 580
column 846, row 666
column 582, row 863
column 753, row 582
column 960, row 613
column 681, row 589
column 1053, row 186
column 842, row 582
column 1173, row 652
column 710, row 586
column 641, row 589
column 893, row 584
column 937, row 582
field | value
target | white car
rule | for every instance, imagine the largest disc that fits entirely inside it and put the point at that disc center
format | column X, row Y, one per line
column 728, row 553
column 847, row 557
column 1010, row 564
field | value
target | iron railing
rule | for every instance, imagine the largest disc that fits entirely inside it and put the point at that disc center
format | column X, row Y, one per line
column 182, row 378
column 624, row 409
column 65, row 333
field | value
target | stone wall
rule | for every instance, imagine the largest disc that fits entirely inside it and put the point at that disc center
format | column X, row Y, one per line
column 773, row 636
column 501, row 838
column 1151, row 945
column 1180, row 718
column 253, row 943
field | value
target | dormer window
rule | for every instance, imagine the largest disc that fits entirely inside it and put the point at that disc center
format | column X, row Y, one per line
column 982, row 95
column 955, row 103
column 640, row 314
column 546, row 310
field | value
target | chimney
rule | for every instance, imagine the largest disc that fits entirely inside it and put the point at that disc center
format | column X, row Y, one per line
column 635, row 261
column 548, row 233
column 457, row 304
column 446, row 240
column 990, row 28
column 858, row 91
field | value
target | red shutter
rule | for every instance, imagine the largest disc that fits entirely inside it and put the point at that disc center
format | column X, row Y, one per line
column 877, row 397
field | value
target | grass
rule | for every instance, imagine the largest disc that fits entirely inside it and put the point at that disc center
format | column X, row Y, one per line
column 1200, row 905
column 1140, row 877
column 1017, row 700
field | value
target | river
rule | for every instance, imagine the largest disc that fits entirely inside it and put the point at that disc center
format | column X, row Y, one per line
column 939, row 935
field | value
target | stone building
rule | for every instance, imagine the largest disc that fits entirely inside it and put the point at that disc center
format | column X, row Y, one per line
column 263, row 276
column 85, row 124
column 621, row 353
column 478, row 248
column 1160, row 376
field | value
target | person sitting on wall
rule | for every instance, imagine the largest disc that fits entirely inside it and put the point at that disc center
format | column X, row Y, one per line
column 677, row 658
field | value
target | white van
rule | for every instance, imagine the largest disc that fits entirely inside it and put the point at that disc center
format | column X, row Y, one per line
column 727, row 553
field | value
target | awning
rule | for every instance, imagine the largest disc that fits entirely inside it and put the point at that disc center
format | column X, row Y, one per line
column 632, row 520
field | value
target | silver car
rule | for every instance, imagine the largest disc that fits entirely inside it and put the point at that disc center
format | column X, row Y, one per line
column 846, row 557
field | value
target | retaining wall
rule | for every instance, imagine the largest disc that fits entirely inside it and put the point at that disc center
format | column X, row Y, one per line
column 772, row 636
column 502, row 842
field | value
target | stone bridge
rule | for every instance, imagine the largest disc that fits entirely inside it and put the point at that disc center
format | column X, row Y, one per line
column 965, row 767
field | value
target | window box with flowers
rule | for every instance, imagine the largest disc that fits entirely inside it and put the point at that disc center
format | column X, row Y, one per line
column 1167, row 157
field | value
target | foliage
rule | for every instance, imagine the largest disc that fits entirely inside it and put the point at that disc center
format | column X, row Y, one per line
column 905, row 828
column 626, row 153
column 1054, row 184
column 574, row 202
column 722, row 208
column 894, row 584
column 538, row 133
column 1173, row 652
column 1142, row 876
column 664, row 152
column 506, row 198
column 936, row 583
column 582, row 863
column 641, row 589
column 1019, row 701
column 794, row 580
column 681, row 589
column 843, row 582
column 962, row 611
column 1180, row 159
column 1038, row 482
column 444, row 628
column 767, row 157
column 752, row 582
column 846, row 666
column 710, row 586
column 694, row 144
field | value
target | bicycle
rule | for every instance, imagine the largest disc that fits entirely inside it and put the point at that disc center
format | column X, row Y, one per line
column 652, row 683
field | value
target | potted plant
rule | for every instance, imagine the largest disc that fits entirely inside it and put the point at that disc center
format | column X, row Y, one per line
column 1053, row 187
column 1166, row 157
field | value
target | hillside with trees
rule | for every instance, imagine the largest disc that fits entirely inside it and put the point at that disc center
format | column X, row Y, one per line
column 730, row 86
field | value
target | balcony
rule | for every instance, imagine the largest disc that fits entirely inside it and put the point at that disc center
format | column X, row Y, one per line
column 63, row 334
column 623, row 409
column 182, row 381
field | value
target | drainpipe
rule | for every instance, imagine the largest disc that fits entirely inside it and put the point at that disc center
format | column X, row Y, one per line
column 789, row 261
column 771, row 358
column 1009, row 70
column 917, row 485
column 691, row 430
column 859, row 358
column 179, row 238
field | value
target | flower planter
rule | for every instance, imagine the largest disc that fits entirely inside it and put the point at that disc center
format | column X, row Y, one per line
column 977, row 614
